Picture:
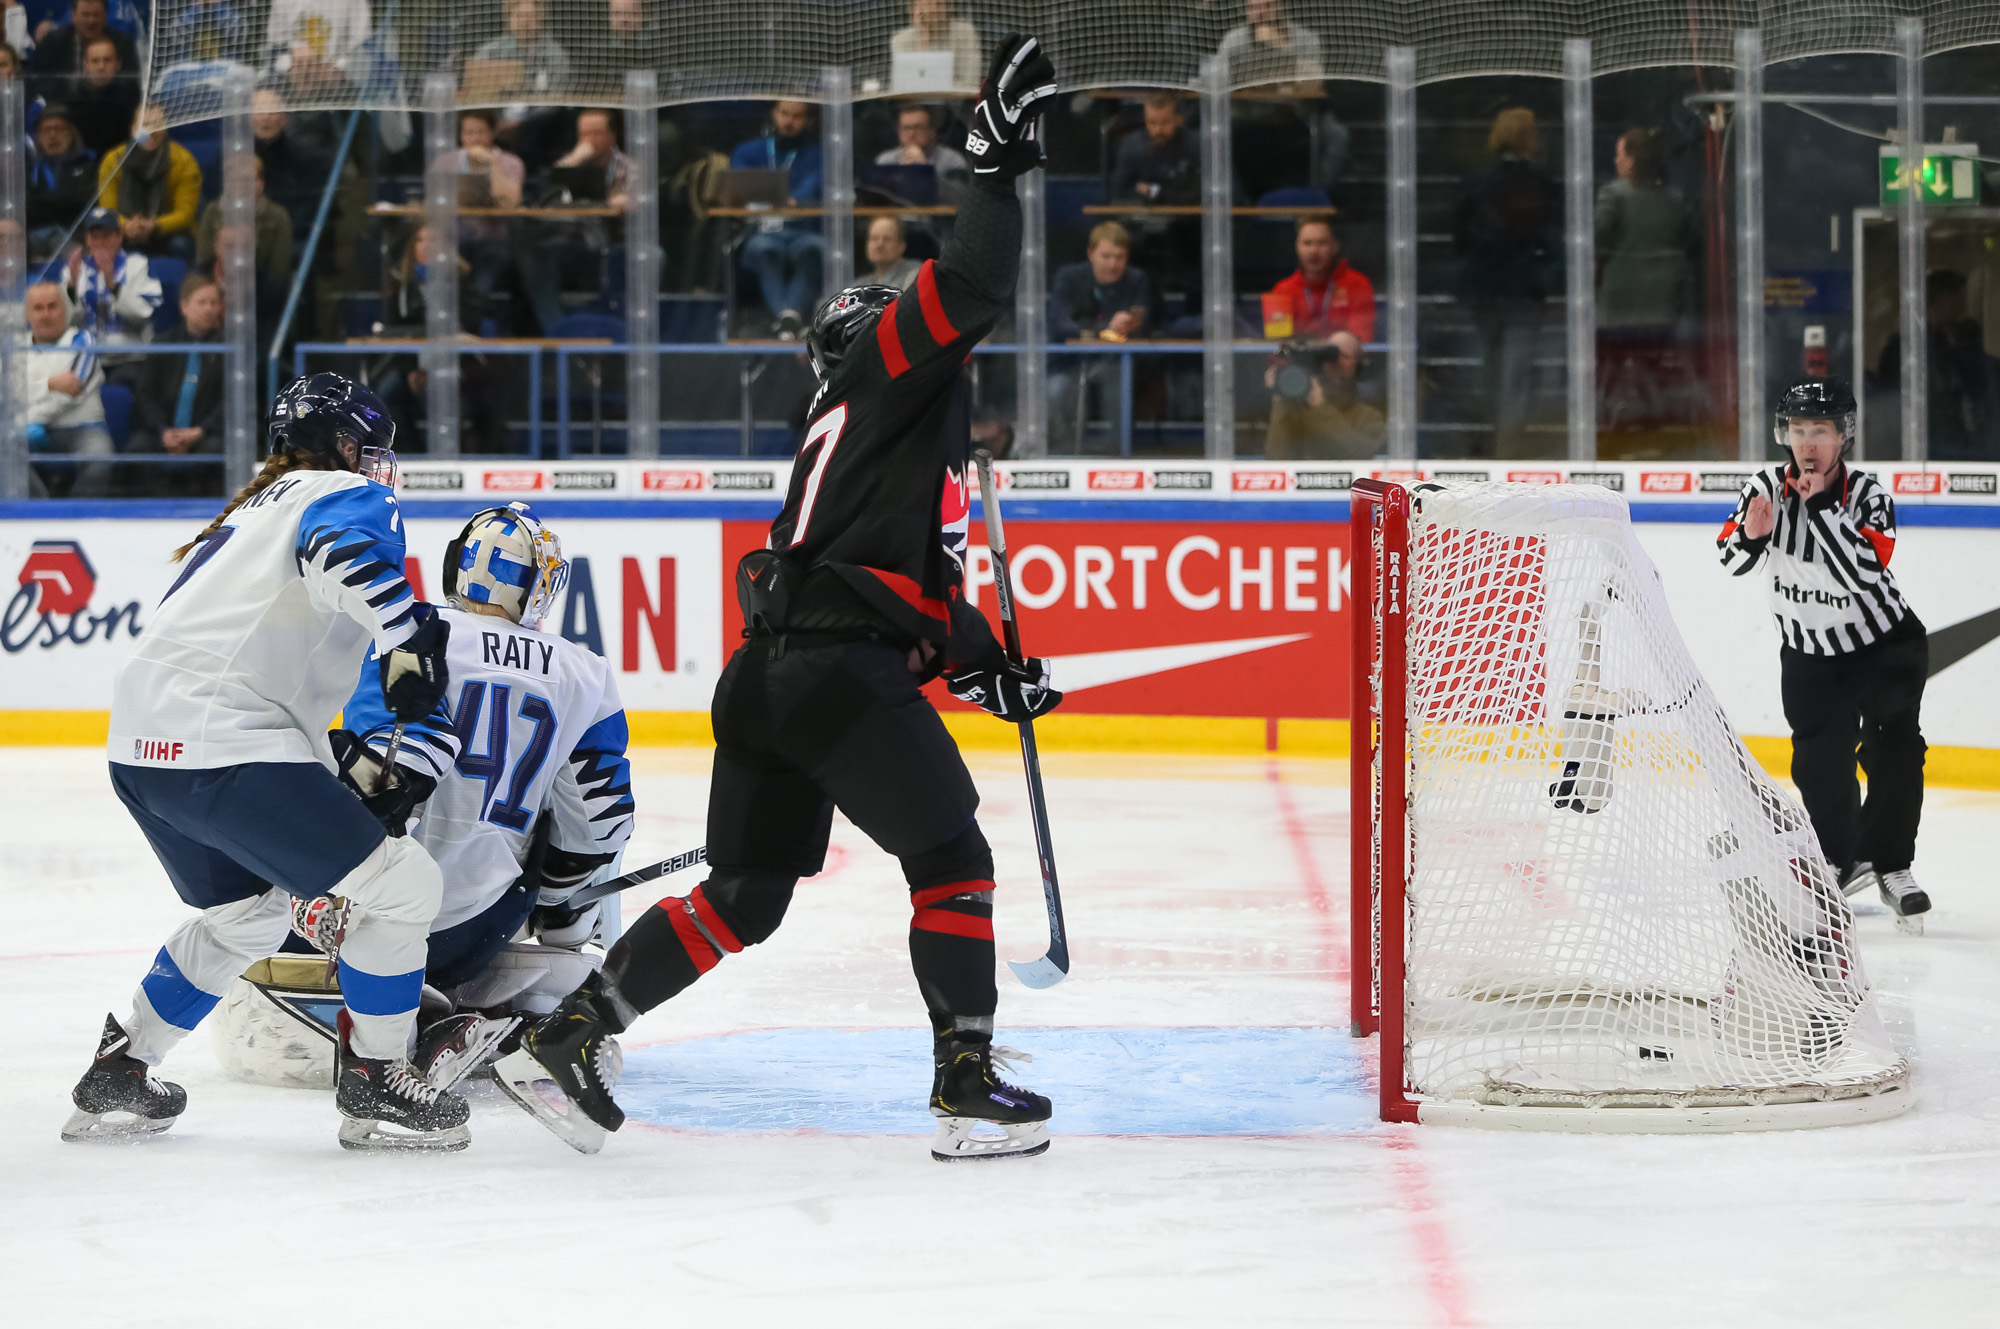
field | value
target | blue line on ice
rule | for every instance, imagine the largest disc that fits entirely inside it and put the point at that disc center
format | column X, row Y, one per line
column 1174, row 1081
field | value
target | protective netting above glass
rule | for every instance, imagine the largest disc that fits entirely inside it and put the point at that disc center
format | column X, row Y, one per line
column 337, row 54
column 1610, row 902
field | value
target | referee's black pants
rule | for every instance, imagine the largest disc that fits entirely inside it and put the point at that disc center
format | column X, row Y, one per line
column 1866, row 700
column 802, row 727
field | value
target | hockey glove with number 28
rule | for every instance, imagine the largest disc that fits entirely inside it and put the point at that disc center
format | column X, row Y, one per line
column 1005, row 139
column 414, row 676
column 360, row 768
column 1010, row 691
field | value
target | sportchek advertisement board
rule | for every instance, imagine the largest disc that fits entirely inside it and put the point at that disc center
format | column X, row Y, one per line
column 1189, row 589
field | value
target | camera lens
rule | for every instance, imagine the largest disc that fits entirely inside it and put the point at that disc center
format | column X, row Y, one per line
column 1294, row 381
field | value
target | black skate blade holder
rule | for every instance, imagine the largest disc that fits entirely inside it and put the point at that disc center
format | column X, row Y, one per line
column 1053, row 967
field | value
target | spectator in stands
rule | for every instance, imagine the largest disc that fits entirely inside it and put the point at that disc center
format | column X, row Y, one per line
column 1328, row 420
column 332, row 30
column 273, row 227
column 917, row 145
column 1325, row 295
column 102, row 100
column 112, row 293
column 155, row 185
column 627, row 41
column 294, row 174
column 1645, row 282
column 593, row 173
column 177, row 401
column 211, row 30
column 932, row 28
column 786, row 255
column 56, row 395
column 310, row 81
column 1103, row 298
column 59, row 56
column 483, row 242
column 62, row 182
column 1963, row 401
column 545, row 66
column 10, row 57
column 1508, row 235
column 406, row 393
column 886, row 262
column 1267, row 47
column 1161, row 165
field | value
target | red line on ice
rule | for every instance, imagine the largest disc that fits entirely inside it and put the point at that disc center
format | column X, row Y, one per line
column 1332, row 938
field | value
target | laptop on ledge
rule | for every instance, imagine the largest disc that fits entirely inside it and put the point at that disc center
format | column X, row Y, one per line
column 920, row 71
column 756, row 187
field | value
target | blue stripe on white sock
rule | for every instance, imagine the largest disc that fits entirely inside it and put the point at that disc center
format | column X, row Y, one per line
column 380, row 994
column 174, row 999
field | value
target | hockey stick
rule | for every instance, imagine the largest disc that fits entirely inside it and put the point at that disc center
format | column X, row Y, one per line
column 1053, row 967
column 665, row 867
column 386, row 776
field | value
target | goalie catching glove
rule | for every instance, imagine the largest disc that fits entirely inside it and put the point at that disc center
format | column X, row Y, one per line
column 1003, row 688
column 414, row 676
column 1005, row 139
column 360, row 769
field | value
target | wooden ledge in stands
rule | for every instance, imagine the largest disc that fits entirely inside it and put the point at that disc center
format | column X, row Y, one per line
column 466, row 339
column 1195, row 210
column 1309, row 90
column 552, row 214
column 867, row 210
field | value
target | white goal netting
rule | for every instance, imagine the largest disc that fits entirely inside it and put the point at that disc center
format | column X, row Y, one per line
column 567, row 52
column 1610, row 904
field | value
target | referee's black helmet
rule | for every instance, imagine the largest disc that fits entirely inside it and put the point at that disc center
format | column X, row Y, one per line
column 1818, row 399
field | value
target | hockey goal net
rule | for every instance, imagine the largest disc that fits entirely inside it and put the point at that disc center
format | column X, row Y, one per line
column 1578, row 902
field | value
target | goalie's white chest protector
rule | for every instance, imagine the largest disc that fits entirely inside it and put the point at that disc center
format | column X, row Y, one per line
column 254, row 649
column 541, row 730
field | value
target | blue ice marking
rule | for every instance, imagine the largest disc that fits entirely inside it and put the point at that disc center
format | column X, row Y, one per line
column 1176, row 1081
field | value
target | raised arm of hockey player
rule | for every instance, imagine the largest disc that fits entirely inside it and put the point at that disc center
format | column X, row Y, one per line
column 430, row 745
column 350, row 553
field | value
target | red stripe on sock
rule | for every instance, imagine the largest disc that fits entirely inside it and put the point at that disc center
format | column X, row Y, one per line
column 711, row 920
column 933, row 307
column 931, row 895
column 957, row 925
column 891, row 343
column 696, row 945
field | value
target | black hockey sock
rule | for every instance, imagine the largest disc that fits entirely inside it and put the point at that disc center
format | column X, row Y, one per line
column 673, row 943
column 951, row 934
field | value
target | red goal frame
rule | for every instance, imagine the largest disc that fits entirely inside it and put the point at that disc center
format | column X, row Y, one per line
column 1378, row 785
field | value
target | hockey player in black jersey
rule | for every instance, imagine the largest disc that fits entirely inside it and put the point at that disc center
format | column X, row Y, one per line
column 1854, row 655
column 854, row 604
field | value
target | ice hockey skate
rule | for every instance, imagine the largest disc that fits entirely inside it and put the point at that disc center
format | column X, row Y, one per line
column 1907, row 900
column 568, row 1063
column 454, row 1046
column 979, row 1114
column 1860, row 879
column 386, row 1105
column 118, row 1098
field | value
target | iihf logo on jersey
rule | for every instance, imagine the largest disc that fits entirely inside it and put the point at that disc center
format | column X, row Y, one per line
column 51, row 608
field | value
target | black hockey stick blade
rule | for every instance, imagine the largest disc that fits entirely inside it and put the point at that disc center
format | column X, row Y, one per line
column 1053, row 967
column 652, row 872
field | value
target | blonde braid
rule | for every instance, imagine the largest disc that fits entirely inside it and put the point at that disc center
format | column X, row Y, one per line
column 275, row 466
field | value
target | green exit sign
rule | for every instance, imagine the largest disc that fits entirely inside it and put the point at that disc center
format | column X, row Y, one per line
column 1950, row 174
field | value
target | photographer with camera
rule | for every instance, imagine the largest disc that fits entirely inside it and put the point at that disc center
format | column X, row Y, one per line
column 1316, row 412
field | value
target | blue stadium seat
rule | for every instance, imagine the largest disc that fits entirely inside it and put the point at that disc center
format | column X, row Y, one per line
column 171, row 272
column 117, row 400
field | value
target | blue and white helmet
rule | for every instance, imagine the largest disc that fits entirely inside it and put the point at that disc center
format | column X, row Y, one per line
column 506, row 558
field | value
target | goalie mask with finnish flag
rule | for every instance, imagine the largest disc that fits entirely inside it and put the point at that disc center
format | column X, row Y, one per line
column 505, row 557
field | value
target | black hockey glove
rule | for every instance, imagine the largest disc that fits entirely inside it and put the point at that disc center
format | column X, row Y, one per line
column 360, row 768
column 1010, row 691
column 1005, row 138
column 414, row 676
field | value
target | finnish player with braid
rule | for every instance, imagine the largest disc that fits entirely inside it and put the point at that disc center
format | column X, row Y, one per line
column 1854, row 656
column 853, row 604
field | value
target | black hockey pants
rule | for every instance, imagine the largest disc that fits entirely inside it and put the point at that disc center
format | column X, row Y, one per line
column 800, row 730
column 1867, row 699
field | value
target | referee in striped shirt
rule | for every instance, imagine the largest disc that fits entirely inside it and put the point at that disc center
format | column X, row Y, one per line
column 1854, row 655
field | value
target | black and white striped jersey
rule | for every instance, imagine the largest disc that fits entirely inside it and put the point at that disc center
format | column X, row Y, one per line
column 1827, row 559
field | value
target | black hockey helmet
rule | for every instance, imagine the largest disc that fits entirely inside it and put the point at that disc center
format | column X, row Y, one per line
column 840, row 320
column 318, row 413
column 1818, row 399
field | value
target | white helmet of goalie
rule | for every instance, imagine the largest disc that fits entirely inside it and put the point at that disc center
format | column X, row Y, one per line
column 506, row 559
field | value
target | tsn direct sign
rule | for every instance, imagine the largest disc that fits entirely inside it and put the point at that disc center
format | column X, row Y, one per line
column 1167, row 617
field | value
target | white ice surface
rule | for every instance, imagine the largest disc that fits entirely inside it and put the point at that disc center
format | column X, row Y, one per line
column 1200, row 893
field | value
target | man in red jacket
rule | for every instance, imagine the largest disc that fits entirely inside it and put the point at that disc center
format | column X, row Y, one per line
column 1327, row 296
